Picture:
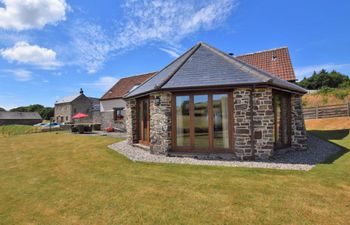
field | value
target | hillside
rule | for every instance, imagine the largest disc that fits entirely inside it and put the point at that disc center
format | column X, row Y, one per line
column 327, row 97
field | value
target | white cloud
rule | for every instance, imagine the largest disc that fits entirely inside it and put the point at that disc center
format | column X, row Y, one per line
column 91, row 45
column 20, row 74
column 29, row 14
column 22, row 52
column 171, row 51
column 307, row 71
column 171, row 20
column 165, row 21
column 103, row 83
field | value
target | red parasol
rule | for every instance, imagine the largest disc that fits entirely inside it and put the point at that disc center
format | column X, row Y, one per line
column 80, row 116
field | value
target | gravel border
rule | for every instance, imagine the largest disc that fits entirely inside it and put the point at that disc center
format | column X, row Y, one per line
column 318, row 151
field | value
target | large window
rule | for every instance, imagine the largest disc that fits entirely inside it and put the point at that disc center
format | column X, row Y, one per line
column 183, row 121
column 282, row 131
column 202, row 122
column 221, row 122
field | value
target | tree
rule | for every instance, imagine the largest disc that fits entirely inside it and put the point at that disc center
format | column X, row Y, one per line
column 2, row 110
column 45, row 112
column 324, row 79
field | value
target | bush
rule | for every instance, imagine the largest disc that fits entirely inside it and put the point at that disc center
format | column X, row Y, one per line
column 341, row 93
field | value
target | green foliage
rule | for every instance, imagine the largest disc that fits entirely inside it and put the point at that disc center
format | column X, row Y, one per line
column 45, row 112
column 2, row 110
column 324, row 79
column 339, row 93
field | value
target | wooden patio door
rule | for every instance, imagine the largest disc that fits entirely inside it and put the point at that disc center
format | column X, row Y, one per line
column 143, row 119
column 202, row 122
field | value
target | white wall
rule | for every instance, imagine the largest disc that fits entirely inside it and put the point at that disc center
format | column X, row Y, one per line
column 108, row 105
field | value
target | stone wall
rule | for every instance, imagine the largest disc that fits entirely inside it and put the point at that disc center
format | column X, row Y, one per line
column 241, row 115
column 260, row 144
column 264, row 121
column 131, row 121
column 63, row 112
column 160, row 123
column 299, row 137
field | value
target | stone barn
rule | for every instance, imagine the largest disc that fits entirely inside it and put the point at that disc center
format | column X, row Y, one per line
column 67, row 107
column 208, row 103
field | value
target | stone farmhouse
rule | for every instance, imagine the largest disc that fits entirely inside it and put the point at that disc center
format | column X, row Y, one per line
column 20, row 118
column 67, row 107
column 112, row 104
column 211, row 104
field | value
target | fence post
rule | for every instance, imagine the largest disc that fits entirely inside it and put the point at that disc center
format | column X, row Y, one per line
column 316, row 112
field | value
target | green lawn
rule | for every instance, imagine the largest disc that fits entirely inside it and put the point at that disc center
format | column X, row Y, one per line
column 50, row 178
column 10, row 130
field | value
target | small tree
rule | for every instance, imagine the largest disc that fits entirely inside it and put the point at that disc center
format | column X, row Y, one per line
column 324, row 79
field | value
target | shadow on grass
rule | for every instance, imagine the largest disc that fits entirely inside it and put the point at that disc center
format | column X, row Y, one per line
column 329, row 135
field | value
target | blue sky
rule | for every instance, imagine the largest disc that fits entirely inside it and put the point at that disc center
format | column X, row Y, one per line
column 51, row 48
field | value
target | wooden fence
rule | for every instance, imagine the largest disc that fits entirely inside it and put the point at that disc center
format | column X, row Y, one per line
column 328, row 111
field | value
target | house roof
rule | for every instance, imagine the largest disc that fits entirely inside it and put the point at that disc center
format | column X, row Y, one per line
column 124, row 85
column 19, row 115
column 275, row 61
column 206, row 66
column 67, row 99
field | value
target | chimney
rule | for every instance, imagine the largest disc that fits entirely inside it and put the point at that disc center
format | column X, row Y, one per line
column 81, row 91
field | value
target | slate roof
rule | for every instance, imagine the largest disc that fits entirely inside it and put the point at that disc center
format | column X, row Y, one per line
column 275, row 61
column 206, row 66
column 124, row 85
column 19, row 116
column 67, row 99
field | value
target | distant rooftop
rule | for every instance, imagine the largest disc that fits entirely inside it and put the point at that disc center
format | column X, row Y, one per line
column 275, row 61
column 19, row 115
column 124, row 85
column 71, row 98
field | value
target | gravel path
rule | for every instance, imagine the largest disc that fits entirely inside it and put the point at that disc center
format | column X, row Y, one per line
column 318, row 151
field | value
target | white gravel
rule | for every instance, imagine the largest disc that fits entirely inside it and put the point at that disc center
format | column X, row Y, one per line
column 318, row 151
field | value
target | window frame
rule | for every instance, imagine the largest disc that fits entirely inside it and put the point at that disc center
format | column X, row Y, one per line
column 192, row 148
column 115, row 114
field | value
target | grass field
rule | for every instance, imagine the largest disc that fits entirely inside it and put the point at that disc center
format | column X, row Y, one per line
column 337, row 123
column 11, row 130
column 50, row 178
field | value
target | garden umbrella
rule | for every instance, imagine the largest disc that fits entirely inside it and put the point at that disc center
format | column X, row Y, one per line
column 80, row 116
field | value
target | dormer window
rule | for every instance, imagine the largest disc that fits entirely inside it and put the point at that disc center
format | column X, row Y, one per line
column 134, row 87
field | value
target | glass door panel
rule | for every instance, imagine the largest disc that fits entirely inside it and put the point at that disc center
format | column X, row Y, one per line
column 282, row 120
column 143, row 121
column 201, row 122
column 183, row 121
column 221, row 121
column 145, row 109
